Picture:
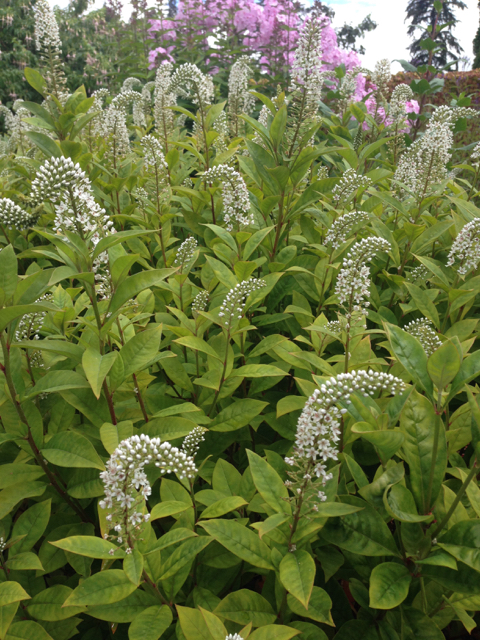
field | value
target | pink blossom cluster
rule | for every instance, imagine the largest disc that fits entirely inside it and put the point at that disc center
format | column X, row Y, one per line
column 271, row 30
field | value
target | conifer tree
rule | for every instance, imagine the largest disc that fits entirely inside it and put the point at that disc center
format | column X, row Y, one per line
column 476, row 47
column 423, row 14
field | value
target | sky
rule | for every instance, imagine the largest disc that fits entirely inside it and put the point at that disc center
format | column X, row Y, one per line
column 389, row 39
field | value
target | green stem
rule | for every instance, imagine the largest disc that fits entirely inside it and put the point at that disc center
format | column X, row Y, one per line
column 458, row 497
column 436, row 438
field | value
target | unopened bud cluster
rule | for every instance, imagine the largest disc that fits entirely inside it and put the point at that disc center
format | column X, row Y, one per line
column 341, row 228
column 349, row 183
column 381, row 76
column 189, row 82
column 14, row 217
column 466, row 248
column 153, row 154
column 191, row 443
column 236, row 202
column 126, row 483
column 234, row 304
column 418, row 275
column 319, row 426
column 52, row 177
column 200, row 302
column 422, row 330
column 186, row 253
column 240, row 100
column 353, row 281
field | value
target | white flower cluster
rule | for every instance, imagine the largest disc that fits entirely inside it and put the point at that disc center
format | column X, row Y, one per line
column 15, row 125
column 99, row 97
column 14, row 217
column 189, row 82
column 400, row 96
column 240, row 100
column 475, row 157
column 200, row 302
column 48, row 43
column 126, row 483
column 322, row 172
column 46, row 28
column 263, row 120
column 319, row 424
column 30, row 324
column 449, row 115
column 341, row 228
column 127, row 97
column 235, row 300
column 185, row 253
column 427, row 336
column 418, row 275
column 222, row 127
column 52, row 178
column 307, row 74
column 114, row 130
column 233, row 636
column 236, row 202
column 153, row 154
column 334, row 326
column 424, row 164
column 466, row 248
column 381, row 76
column 349, row 183
column 68, row 187
column 164, row 98
column 353, row 281
column 191, row 443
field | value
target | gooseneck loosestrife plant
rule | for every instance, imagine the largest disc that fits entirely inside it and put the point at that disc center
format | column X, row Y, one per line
column 238, row 334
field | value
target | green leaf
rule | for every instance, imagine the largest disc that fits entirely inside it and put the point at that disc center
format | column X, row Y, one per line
column 197, row 344
column 244, row 606
column 400, row 504
column 237, row 415
column 462, row 541
column 417, row 422
column 133, row 285
column 26, row 630
column 12, row 592
column 253, row 242
column 96, row 368
column 112, row 434
column 8, row 271
column 241, row 541
column 12, row 473
column 125, row 610
column 48, row 604
column 318, row 608
column 104, row 587
column 54, row 381
column 139, row 352
column 151, row 623
column 46, row 145
column 31, row 524
column 363, row 532
column 168, row 508
column 27, row 561
column 410, row 354
column 277, row 128
column 444, row 364
column 9, row 314
column 335, row 509
column 297, row 573
column 133, row 566
column 90, row 546
column 13, row 494
column 183, row 555
column 257, row 371
column 269, row 484
column 7, row 615
column 223, row 506
column 389, row 585
column 274, row 632
column 70, row 449
column 35, row 80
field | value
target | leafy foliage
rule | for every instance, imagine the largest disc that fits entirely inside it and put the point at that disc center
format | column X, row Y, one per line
column 238, row 359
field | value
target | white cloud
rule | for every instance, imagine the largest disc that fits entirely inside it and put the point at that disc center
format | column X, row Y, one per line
column 390, row 39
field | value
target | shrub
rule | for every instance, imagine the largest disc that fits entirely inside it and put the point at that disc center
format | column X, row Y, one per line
column 239, row 361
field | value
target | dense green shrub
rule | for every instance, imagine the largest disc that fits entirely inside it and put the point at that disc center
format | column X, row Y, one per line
column 238, row 359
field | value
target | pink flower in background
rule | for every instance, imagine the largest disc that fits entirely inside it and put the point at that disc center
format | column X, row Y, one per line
column 164, row 54
column 378, row 113
column 271, row 30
